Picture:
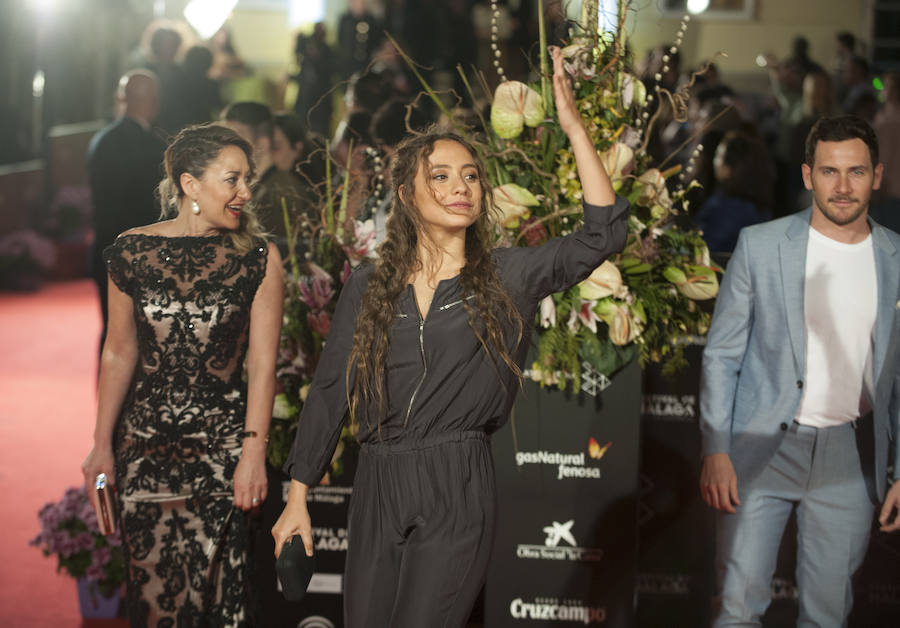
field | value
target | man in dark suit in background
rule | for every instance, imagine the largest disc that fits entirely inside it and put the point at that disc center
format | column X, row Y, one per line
column 124, row 167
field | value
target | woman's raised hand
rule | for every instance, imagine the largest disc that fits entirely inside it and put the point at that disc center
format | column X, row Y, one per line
column 595, row 184
column 566, row 110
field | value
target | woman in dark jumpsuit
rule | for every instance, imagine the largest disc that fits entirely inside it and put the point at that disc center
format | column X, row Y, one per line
column 423, row 509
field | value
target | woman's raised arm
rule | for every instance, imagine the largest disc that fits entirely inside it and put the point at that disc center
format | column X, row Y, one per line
column 595, row 182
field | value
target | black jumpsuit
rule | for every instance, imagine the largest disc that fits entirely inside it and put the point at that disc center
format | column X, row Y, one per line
column 421, row 520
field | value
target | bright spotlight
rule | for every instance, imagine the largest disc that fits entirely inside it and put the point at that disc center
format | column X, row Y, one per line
column 608, row 15
column 697, row 6
column 305, row 12
column 44, row 6
column 207, row 16
column 37, row 84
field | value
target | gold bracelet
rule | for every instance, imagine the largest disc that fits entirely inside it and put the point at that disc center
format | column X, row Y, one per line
column 253, row 434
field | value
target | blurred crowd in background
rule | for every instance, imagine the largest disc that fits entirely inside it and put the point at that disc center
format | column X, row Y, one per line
column 353, row 87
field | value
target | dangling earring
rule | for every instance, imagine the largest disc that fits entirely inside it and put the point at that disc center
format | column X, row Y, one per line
column 195, row 207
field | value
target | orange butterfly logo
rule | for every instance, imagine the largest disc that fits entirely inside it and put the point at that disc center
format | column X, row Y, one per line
column 595, row 450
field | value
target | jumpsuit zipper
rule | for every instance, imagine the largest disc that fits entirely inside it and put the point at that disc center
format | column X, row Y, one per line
column 447, row 306
column 422, row 350
column 424, row 371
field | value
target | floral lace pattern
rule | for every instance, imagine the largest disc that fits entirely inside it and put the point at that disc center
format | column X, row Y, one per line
column 178, row 437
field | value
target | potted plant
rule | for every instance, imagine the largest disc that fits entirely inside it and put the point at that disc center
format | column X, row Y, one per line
column 69, row 529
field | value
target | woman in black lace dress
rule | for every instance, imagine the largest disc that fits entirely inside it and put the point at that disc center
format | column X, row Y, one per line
column 181, row 424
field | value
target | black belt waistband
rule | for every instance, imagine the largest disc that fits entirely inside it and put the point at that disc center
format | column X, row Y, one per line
column 412, row 444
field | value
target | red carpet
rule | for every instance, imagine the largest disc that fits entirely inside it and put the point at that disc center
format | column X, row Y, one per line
column 48, row 363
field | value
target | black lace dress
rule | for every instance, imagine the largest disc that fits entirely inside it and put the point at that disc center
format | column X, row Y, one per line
column 177, row 441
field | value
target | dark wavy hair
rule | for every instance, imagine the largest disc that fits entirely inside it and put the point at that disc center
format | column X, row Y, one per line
column 497, row 323
column 192, row 150
column 839, row 129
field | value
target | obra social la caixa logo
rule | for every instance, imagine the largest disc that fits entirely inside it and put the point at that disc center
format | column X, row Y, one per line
column 568, row 465
column 560, row 544
column 554, row 610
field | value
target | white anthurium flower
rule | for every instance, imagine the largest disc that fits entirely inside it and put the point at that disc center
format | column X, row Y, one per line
column 283, row 409
column 513, row 202
column 653, row 189
column 633, row 91
column 695, row 282
column 548, row 312
column 617, row 160
column 605, row 281
column 515, row 105
column 622, row 327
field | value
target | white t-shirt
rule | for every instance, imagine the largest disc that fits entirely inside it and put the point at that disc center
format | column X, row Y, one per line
column 841, row 298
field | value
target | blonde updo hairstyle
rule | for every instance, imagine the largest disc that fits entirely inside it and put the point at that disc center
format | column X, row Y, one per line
column 192, row 150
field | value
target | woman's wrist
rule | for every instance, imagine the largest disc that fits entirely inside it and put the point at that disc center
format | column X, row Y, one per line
column 103, row 441
column 297, row 493
column 253, row 446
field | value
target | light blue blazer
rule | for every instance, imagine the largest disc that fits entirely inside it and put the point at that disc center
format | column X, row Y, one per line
column 755, row 357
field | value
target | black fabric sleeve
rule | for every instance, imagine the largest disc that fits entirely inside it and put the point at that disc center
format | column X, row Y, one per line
column 325, row 408
column 118, row 266
column 535, row 272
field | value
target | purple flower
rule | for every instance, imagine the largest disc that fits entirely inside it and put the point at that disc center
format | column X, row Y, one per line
column 318, row 292
column 95, row 572
column 101, row 556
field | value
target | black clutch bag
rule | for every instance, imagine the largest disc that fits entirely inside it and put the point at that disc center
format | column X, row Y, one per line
column 294, row 569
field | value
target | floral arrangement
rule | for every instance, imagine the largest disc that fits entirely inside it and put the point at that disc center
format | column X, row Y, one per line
column 641, row 303
column 337, row 244
column 69, row 529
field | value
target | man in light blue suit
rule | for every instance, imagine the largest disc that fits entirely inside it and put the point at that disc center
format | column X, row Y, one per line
column 800, row 397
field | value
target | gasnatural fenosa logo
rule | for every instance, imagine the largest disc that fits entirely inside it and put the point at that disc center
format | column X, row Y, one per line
column 568, row 465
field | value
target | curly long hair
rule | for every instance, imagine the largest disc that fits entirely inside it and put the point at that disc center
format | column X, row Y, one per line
column 192, row 150
column 497, row 323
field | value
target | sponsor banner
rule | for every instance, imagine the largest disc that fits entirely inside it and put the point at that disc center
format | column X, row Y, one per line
column 667, row 407
column 555, row 610
column 316, row 621
column 568, row 465
column 330, row 539
column 664, row 584
column 676, row 529
column 326, row 583
column 559, row 545
column 322, row 607
column 567, row 484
